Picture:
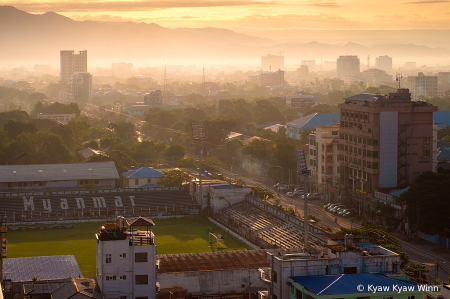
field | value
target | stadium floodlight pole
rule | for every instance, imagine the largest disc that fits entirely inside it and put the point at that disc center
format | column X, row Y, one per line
column 303, row 170
column 199, row 133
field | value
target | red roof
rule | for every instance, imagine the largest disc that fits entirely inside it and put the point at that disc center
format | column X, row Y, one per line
column 140, row 221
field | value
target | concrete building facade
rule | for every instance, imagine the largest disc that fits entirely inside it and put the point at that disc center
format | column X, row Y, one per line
column 71, row 63
column 323, row 159
column 384, row 63
column 62, row 118
column 347, row 66
column 270, row 63
column 384, row 142
column 153, row 97
column 82, row 87
column 423, row 86
column 272, row 78
column 126, row 260
column 301, row 101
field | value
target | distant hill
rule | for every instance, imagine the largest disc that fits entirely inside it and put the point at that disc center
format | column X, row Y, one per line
column 36, row 38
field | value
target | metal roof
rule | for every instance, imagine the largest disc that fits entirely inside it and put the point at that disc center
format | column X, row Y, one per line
column 398, row 192
column 347, row 283
column 41, row 267
column 313, row 120
column 443, row 154
column 87, row 287
column 215, row 261
column 58, row 172
column 363, row 97
column 143, row 172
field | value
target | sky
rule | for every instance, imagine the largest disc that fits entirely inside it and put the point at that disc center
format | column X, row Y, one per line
column 256, row 14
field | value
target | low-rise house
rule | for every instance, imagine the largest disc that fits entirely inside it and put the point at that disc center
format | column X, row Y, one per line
column 141, row 177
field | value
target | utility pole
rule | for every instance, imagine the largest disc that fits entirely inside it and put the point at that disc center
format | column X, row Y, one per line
column 199, row 133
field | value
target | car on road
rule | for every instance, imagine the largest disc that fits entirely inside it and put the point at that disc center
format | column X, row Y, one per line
column 338, row 209
column 290, row 194
column 335, row 208
column 329, row 206
column 348, row 213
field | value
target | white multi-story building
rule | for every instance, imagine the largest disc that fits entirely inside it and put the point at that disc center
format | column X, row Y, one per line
column 126, row 260
column 323, row 158
column 82, row 87
column 384, row 63
column 72, row 63
column 422, row 85
column 62, row 118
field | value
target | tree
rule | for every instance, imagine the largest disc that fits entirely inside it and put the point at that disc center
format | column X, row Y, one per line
column 124, row 130
column 174, row 152
column 188, row 162
column 14, row 128
column 80, row 130
column 417, row 272
column 173, row 178
column 93, row 144
column 65, row 132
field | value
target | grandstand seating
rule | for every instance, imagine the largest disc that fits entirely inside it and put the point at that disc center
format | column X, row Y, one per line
column 261, row 228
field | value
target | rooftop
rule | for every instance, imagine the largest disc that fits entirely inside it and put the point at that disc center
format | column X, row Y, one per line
column 58, row 172
column 142, row 172
column 87, row 287
column 41, row 267
column 347, row 283
column 316, row 119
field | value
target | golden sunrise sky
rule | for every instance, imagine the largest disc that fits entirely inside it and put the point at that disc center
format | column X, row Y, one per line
column 256, row 14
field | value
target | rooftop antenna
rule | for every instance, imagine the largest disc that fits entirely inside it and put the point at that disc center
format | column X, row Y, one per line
column 399, row 79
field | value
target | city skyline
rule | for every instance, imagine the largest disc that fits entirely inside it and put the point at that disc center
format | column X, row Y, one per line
column 256, row 14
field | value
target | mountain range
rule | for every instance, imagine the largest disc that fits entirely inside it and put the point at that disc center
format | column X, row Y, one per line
column 30, row 38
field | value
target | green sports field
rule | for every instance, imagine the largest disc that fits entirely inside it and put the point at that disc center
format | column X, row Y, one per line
column 173, row 235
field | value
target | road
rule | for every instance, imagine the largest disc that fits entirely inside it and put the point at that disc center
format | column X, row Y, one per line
column 427, row 253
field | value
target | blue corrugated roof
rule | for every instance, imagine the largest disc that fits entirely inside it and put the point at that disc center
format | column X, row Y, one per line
column 143, row 172
column 41, row 267
column 441, row 119
column 347, row 283
column 316, row 119
column 398, row 192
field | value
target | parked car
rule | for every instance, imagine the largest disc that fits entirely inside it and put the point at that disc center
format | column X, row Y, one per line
column 346, row 214
column 290, row 194
column 342, row 211
column 314, row 196
column 298, row 191
column 335, row 208
column 330, row 206
column 338, row 209
column 327, row 205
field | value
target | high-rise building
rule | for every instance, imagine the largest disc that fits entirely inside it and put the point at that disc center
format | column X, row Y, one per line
column 347, row 66
column 384, row 142
column 82, row 87
column 126, row 259
column 383, row 63
column 310, row 63
column 303, row 72
column 272, row 78
column 72, row 63
column 271, row 63
column 422, row 85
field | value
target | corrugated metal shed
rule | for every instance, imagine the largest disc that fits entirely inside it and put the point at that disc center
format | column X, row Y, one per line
column 143, row 172
column 347, row 283
column 58, row 172
column 41, row 267
column 311, row 121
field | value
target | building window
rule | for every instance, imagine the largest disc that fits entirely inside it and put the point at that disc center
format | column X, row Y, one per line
column 149, row 181
column 426, row 141
column 96, row 182
column 334, row 132
column 426, row 153
column 123, row 277
column 141, row 279
column 274, row 276
column 375, row 142
column 108, row 258
column 122, row 297
column 142, row 297
column 123, row 255
column 136, row 181
column 110, row 278
column 140, row 257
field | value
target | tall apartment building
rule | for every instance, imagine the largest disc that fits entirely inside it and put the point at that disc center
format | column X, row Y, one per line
column 383, row 63
column 384, row 142
column 323, row 158
column 82, row 87
column 272, row 78
column 72, row 63
column 347, row 66
column 271, row 63
column 126, row 259
column 422, row 85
